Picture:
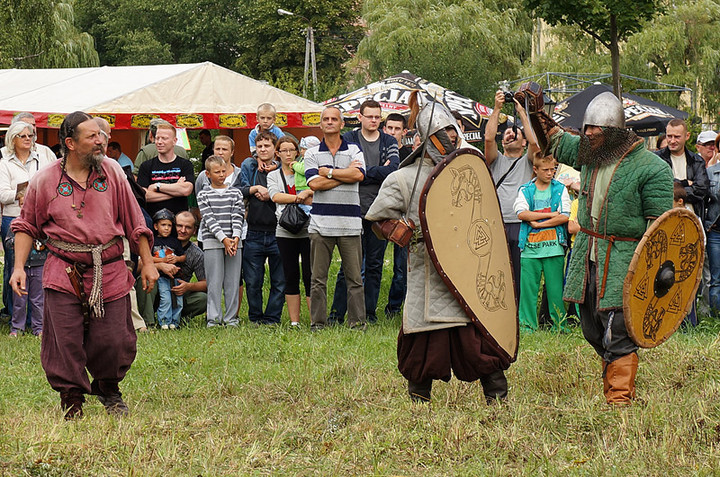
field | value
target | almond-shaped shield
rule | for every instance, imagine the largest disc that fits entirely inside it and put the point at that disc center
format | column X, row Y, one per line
column 663, row 277
column 464, row 235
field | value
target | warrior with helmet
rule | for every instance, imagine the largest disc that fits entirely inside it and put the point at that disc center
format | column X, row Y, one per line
column 623, row 187
column 438, row 334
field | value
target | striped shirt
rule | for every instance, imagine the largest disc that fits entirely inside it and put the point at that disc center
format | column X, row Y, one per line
column 335, row 212
column 222, row 215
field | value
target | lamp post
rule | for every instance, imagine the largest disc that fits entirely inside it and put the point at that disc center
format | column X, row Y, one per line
column 309, row 52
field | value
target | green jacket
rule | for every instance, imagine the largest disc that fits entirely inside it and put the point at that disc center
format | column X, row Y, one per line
column 641, row 188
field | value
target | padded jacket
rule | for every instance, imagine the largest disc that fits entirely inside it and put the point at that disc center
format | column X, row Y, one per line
column 640, row 189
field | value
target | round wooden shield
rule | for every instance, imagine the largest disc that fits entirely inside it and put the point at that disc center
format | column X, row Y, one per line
column 663, row 277
column 464, row 235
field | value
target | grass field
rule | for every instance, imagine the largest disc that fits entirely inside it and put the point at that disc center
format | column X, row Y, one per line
column 278, row 401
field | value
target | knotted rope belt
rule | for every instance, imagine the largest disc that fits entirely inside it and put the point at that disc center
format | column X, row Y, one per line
column 95, row 302
column 610, row 240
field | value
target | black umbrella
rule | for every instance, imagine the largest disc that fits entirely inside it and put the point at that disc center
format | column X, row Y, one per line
column 644, row 116
column 393, row 94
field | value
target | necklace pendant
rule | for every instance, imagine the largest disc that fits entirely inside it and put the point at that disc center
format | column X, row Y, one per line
column 80, row 214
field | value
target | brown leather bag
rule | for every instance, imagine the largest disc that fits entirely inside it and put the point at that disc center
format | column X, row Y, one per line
column 398, row 231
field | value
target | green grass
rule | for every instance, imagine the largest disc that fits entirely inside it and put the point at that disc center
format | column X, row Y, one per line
column 278, row 401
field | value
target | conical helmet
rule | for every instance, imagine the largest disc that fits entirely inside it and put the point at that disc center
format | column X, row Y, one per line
column 605, row 110
column 441, row 118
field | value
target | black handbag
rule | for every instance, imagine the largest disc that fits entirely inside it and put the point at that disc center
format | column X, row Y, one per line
column 293, row 218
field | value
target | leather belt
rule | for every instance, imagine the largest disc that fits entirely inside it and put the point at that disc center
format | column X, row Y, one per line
column 610, row 239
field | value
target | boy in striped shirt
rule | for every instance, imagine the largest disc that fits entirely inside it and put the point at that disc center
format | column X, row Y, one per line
column 222, row 212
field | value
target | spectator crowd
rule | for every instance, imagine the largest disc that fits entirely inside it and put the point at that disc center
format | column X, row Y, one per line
column 280, row 215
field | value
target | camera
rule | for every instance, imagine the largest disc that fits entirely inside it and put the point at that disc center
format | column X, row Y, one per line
column 530, row 93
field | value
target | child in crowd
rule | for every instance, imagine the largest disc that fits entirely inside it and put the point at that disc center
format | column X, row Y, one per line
column 265, row 122
column 167, row 249
column 679, row 196
column 543, row 205
column 33, row 284
column 223, row 212
column 298, row 167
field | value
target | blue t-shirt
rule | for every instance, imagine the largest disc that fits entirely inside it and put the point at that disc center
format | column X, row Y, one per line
column 253, row 134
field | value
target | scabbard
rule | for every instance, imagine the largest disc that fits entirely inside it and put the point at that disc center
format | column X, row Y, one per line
column 76, row 281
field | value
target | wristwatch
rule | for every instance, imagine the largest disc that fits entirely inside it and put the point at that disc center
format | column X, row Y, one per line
column 157, row 187
column 330, row 174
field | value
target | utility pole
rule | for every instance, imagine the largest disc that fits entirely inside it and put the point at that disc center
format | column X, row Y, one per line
column 309, row 52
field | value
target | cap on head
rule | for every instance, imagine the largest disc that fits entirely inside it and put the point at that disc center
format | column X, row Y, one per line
column 163, row 214
column 605, row 110
column 705, row 137
column 309, row 141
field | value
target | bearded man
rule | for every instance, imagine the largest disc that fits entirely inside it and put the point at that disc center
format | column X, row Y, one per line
column 84, row 206
column 623, row 187
column 437, row 336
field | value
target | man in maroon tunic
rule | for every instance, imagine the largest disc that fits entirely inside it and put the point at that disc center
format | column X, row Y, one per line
column 84, row 206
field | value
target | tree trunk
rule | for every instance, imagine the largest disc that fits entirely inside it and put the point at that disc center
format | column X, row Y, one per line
column 615, row 56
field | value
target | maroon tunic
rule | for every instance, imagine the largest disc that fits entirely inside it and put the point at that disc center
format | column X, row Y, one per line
column 107, row 347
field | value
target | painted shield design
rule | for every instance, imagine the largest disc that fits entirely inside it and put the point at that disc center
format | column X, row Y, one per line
column 465, row 237
column 663, row 277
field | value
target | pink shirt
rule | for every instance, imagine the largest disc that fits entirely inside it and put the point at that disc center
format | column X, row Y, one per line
column 110, row 211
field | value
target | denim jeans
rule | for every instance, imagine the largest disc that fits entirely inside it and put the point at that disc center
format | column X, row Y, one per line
column 31, row 303
column 168, row 312
column 713, row 253
column 259, row 247
column 7, row 293
column 373, row 250
column 398, row 286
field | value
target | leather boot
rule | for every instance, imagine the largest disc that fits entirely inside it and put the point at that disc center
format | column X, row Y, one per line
column 109, row 395
column 71, row 403
column 494, row 386
column 619, row 380
column 420, row 392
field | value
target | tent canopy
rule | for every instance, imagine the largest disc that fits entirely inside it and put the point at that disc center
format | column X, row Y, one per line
column 642, row 115
column 200, row 95
column 393, row 94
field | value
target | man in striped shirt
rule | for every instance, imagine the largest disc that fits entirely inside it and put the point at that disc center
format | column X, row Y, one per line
column 333, row 170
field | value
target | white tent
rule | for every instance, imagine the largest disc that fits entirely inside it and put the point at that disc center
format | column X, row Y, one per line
column 200, row 95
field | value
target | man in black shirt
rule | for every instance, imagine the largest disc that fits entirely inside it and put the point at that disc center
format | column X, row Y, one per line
column 167, row 179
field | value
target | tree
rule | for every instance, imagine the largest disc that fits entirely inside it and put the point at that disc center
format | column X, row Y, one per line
column 272, row 47
column 247, row 36
column 43, row 34
column 132, row 32
column 681, row 46
column 607, row 21
column 465, row 45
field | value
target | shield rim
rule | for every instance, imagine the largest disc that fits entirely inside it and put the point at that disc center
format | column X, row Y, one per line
column 438, row 267
column 632, row 332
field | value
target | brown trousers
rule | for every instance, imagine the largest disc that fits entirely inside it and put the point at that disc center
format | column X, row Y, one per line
column 106, row 349
column 433, row 354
